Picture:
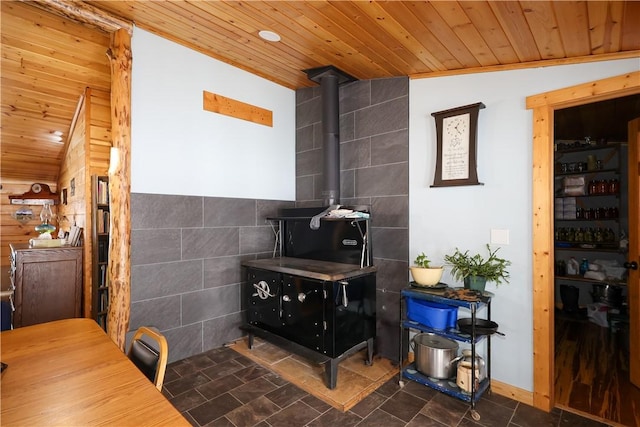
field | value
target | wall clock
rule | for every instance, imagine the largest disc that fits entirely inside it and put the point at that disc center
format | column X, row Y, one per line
column 457, row 132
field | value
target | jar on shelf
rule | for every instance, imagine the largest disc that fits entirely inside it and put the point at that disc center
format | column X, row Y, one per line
column 598, row 236
column 603, row 187
column 588, row 235
column 579, row 237
column 584, row 266
column 614, row 186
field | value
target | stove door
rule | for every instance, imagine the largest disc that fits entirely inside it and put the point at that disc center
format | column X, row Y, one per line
column 263, row 294
column 303, row 312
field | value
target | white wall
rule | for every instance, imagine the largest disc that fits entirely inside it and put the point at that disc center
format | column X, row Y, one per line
column 442, row 218
column 178, row 148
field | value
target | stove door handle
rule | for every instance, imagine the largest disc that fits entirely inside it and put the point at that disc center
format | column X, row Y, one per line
column 345, row 299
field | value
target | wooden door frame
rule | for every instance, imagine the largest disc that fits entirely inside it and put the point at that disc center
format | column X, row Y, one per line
column 544, row 106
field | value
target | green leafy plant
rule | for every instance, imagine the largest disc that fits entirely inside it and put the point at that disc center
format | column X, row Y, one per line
column 422, row 261
column 464, row 264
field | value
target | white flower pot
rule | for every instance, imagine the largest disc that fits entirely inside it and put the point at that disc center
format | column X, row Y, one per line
column 426, row 276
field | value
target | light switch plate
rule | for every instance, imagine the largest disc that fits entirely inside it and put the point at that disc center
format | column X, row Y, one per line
column 499, row 237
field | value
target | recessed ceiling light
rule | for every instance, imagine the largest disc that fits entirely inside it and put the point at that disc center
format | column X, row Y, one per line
column 269, row 35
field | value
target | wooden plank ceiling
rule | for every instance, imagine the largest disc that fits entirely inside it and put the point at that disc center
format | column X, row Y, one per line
column 47, row 60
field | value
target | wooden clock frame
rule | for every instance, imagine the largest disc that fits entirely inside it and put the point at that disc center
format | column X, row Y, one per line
column 469, row 157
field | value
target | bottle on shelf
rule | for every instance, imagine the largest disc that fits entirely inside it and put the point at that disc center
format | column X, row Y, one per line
column 584, row 266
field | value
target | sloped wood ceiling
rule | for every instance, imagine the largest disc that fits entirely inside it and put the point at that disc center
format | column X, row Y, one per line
column 372, row 39
column 47, row 61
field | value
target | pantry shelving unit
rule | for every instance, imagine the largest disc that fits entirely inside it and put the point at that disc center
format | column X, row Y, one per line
column 447, row 386
column 590, row 217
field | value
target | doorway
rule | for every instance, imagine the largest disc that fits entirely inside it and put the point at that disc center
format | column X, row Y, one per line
column 591, row 315
column 543, row 106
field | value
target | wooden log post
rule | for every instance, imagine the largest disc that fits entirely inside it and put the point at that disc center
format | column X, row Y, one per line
column 119, row 271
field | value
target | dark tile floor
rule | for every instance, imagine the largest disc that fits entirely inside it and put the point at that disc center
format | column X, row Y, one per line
column 223, row 388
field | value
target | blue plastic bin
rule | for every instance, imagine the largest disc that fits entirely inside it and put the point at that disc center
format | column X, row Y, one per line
column 432, row 314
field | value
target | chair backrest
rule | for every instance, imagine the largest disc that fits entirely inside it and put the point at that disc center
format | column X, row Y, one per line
column 152, row 362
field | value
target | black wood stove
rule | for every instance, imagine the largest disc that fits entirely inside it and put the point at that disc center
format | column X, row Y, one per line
column 318, row 299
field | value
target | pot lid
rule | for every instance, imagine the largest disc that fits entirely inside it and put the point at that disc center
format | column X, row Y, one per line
column 435, row 341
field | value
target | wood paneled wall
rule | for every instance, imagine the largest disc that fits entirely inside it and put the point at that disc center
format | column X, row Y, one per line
column 87, row 155
column 11, row 230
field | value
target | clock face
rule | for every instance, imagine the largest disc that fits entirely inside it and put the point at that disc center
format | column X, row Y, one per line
column 455, row 146
column 456, row 130
column 36, row 188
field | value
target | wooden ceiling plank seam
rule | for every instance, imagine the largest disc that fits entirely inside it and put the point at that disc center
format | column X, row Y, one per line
column 335, row 51
column 18, row 156
column 48, row 149
column 289, row 23
column 23, row 123
column 573, row 24
column 45, row 63
column 450, row 22
column 364, row 25
column 36, row 158
column 12, row 134
column 84, row 61
column 432, row 50
column 38, row 74
column 397, row 38
column 193, row 42
column 541, row 19
column 600, row 26
column 485, row 21
column 17, row 97
column 534, row 64
column 37, row 113
column 280, row 53
column 247, row 26
column 235, row 53
column 355, row 40
column 630, row 37
column 514, row 25
column 206, row 50
column 42, row 35
column 433, row 19
column 45, row 42
column 29, row 14
column 27, row 77
column 30, row 83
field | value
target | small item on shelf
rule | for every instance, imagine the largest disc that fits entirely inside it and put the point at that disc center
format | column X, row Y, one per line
column 602, row 187
column 574, row 185
column 572, row 267
column 584, row 266
column 591, row 162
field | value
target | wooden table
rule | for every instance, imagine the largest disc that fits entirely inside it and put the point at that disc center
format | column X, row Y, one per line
column 70, row 373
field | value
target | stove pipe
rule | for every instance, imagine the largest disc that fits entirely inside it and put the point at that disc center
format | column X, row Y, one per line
column 329, row 78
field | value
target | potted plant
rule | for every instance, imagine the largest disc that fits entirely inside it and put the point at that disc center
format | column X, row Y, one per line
column 422, row 272
column 475, row 271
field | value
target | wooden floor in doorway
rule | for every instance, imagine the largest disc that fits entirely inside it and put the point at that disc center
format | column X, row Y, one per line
column 592, row 371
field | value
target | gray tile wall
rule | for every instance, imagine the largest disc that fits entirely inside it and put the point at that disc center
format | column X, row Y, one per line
column 185, row 265
column 374, row 170
column 186, row 250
